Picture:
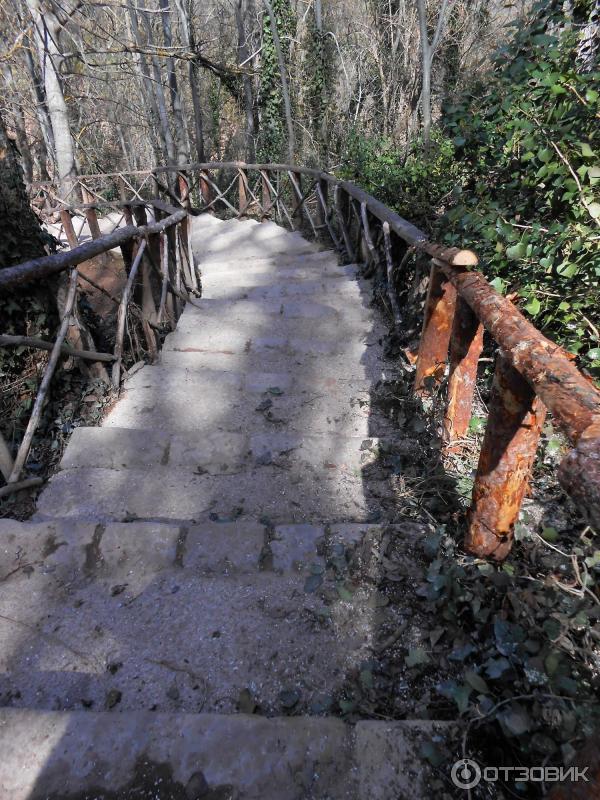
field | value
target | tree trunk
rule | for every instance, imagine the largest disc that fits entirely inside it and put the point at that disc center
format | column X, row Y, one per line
column 426, row 76
column 181, row 148
column 159, row 93
column 46, row 38
column 21, row 237
column 159, row 145
column 187, row 35
column 18, row 119
column 243, row 56
column 284, row 83
column 45, row 153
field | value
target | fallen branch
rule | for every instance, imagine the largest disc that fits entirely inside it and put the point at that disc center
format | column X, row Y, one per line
column 28, row 483
column 7, row 340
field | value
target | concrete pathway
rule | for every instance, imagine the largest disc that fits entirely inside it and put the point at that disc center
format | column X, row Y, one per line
column 179, row 598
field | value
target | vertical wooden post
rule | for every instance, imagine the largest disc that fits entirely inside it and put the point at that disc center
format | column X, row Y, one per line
column 435, row 335
column 340, row 199
column 466, row 344
column 164, row 268
column 90, row 214
column 126, row 207
column 143, row 294
column 67, row 223
column 92, row 219
column 206, row 189
column 154, row 238
column 242, row 196
column 297, row 186
column 267, row 202
column 515, row 421
column 184, row 189
column 323, row 193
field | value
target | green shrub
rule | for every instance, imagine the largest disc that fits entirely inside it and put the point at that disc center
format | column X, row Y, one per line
column 528, row 201
column 514, row 173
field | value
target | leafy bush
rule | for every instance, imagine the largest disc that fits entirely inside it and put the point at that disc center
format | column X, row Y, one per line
column 514, row 173
column 404, row 181
column 528, row 201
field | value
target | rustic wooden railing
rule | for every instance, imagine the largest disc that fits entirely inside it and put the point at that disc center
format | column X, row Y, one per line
column 160, row 246
column 532, row 374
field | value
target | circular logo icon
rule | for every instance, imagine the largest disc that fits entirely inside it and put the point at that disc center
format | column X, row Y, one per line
column 466, row 773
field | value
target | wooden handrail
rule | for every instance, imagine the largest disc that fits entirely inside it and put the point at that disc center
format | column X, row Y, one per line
column 45, row 266
column 532, row 373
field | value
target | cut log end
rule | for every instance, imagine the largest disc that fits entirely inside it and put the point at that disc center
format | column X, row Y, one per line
column 464, row 258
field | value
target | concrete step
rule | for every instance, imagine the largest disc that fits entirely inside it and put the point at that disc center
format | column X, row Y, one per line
column 309, row 265
column 189, row 494
column 308, row 358
column 324, row 337
column 238, row 757
column 253, row 312
column 176, row 618
column 220, row 452
column 242, row 248
column 233, row 235
column 310, row 404
column 74, row 550
column 268, row 287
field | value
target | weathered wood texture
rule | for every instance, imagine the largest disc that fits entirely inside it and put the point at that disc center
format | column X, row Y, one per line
column 459, row 305
column 515, row 420
column 435, row 336
column 466, row 344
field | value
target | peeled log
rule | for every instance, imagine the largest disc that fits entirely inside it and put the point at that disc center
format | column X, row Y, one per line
column 516, row 417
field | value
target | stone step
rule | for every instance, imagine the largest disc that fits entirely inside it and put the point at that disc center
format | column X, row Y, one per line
column 269, row 402
column 233, row 244
column 324, row 262
column 189, row 494
column 247, row 232
column 72, row 549
column 166, row 379
column 331, row 289
column 177, row 618
column 245, row 336
column 53, row 754
column 221, row 452
column 308, row 358
column 208, row 311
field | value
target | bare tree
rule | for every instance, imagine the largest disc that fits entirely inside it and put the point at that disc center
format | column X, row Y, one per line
column 46, row 37
column 427, row 52
column 181, row 147
column 287, row 106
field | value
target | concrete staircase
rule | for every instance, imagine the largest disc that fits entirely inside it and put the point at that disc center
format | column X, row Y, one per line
column 176, row 616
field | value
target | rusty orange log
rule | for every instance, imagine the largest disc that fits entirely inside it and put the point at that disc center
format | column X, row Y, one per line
column 242, row 195
column 67, row 223
column 568, row 394
column 510, row 442
column 466, row 344
column 571, row 397
column 435, row 335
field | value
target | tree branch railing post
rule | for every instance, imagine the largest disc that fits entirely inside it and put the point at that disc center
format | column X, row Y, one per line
column 435, row 335
column 514, row 425
column 466, row 344
column 532, row 373
column 242, row 194
column 340, row 199
column 122, row 316
column 267, row 200
column 34, row 419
